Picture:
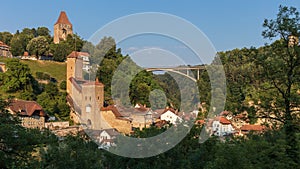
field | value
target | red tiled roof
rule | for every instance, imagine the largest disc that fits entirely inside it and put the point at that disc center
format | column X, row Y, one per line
column 26, row 108
column 25, row 54
column 252, row 128
column 97, row 83
column 113, row 109
column 222, row 120
column 200, row 122
column 224, row 113
column 76, row 54
column 169, row 109
column 3, row 44
column 63, row 19
column 161, row 123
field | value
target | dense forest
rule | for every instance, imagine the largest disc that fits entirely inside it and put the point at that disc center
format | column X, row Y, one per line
column 263, row 81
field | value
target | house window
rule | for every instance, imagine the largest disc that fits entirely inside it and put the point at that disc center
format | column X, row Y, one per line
column 88, row 108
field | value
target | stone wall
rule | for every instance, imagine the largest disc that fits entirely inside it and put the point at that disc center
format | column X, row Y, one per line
column 30, row 122
column 122, row 125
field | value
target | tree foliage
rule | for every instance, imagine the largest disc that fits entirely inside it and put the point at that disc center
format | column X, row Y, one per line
column 38, row 46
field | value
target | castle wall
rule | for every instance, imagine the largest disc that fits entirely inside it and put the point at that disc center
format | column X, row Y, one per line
column 122, row 125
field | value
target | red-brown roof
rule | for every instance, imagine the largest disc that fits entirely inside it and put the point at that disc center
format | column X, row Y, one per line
column 169, row 109
column 97, row 83
column 63, row 19
column 26, row 108
column 222, row 120
column 2, row 44
column 200, row 122
column 113, row 109
column 76, row 54
column 252, row 128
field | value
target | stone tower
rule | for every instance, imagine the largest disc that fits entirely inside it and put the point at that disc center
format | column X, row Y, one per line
column 74, row 69
column 62, row 28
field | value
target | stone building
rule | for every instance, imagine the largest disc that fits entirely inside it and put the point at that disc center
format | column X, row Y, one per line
column 85, row 97
column 31, row 113
column 62, row 28
column 5, row 50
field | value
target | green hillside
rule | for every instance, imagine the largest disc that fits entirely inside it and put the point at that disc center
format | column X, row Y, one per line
column 56, row 70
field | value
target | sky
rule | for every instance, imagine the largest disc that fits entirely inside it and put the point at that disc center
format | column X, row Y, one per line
column 227, row 24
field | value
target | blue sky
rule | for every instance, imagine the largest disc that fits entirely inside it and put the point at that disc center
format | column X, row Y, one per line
column 228, row 24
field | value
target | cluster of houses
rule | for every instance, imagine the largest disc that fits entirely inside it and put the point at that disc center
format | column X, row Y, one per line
column 32, row 115
column 226, row 124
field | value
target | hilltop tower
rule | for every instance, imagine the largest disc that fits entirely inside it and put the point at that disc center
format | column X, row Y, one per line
column 62, row 28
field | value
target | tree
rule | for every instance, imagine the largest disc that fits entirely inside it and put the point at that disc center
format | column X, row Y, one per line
column 6, row 37
column 17, row 77
column 43, row 31
column 281, row 65
column 60, row 51
column 19, row 43
column 38, row 46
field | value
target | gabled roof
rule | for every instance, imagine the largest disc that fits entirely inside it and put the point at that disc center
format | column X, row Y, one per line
column 26, row 108
column 111, row 132
column 222, row 120
column 113, row 109
column 169, row 109
column 63, row 19
column 2, row 44
column 252, row 128
column 75, row 54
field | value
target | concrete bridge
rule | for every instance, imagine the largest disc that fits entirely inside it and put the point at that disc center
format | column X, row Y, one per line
column 185, row 71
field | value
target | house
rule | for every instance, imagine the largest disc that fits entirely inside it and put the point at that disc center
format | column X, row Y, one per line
column 104, row 138
column 85, row 59
column 245, row 129
column 222, row 126
column 170, row 116
column 5, row 50
column 31, row 113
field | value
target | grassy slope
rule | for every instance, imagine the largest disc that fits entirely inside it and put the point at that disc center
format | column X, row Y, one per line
column 56, row 70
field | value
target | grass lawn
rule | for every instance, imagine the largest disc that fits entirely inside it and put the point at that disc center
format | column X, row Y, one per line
column 56, row 70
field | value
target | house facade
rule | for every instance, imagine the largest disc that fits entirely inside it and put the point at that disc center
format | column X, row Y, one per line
column 222, row 126
column 5, row 50
column 31, row 113
column 169, row 115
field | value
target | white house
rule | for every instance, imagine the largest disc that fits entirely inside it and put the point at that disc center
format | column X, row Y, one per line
column 106, row 138
column 170, row 116
column 222, row 126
